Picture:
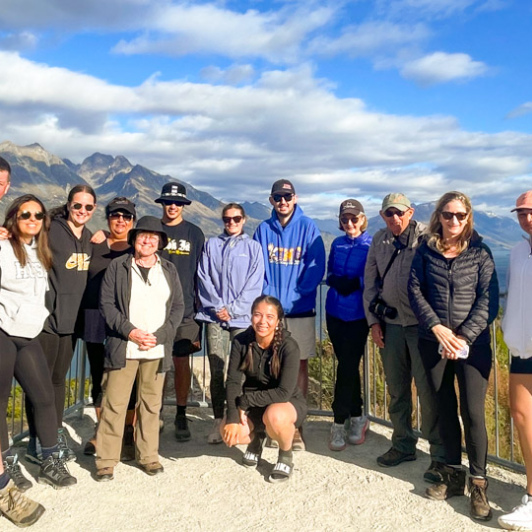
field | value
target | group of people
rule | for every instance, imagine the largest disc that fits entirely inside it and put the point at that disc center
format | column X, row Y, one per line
column 140, row 292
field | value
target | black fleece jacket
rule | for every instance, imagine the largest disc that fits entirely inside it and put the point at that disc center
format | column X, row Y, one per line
column 460, row 293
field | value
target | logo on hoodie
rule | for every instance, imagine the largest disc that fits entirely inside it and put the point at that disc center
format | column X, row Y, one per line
column 287, row 256
column 78, row 261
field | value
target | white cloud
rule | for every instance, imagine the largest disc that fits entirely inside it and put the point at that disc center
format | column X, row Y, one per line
column 432, row 9
column 441, row 67
column 521, row 110
column 234, row 75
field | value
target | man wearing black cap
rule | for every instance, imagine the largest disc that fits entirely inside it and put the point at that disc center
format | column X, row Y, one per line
column 185, row 244
column 294, row 258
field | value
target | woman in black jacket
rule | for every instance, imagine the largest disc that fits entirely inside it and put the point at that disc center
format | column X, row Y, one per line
column 454, row 293
column 269, row 401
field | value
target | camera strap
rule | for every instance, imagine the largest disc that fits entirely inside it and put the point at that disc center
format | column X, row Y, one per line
column 399, row 246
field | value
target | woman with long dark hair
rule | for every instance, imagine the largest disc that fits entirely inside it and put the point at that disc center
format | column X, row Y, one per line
column 71, row 253
column 454, row 293
column 269, row 401
column 25, row 260
column 230, row 277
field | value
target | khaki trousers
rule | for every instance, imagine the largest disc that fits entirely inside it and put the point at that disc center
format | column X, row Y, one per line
column 117, row 389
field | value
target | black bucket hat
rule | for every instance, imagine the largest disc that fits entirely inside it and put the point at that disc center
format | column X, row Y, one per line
column 174, row 192
column 148, row 224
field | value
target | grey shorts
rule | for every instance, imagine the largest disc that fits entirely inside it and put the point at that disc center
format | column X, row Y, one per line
column 303, row 331
column 188, row 338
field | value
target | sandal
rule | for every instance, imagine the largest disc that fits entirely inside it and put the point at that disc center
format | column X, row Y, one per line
column 281, row 472
column 253, row 452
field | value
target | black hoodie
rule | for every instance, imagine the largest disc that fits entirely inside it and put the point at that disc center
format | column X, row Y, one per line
column 68, row 276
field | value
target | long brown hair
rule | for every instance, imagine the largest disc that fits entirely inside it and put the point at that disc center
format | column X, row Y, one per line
column 62, row 210
column 275, row 361
column 435, row 228
column 10, row 223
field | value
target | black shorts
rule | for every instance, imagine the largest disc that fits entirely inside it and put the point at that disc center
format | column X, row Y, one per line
column 255, row 414
column 187, row 338
column 521, row 365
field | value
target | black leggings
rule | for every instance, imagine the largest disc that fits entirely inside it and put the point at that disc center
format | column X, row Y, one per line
column 349, row 340
column 23, row 359
column 58, row 350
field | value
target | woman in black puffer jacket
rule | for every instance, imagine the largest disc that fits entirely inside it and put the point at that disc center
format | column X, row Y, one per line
column 454, row 293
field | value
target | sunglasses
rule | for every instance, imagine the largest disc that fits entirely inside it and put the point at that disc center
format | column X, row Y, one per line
column 278, row 197
column 79, row 206
column 236, row 219
column 460, row 216
column 168, row 203
column 26, row 215
column 389, row 213
column 117, row 215
column 353, row 220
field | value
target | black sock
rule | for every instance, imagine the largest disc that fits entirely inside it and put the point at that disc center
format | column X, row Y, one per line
column 48, row 451
column 285, row 456
column 181, row 410
column 4, row 480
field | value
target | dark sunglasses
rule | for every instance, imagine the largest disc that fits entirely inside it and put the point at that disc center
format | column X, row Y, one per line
column 26, row 215
column 278, row 197
column 353, row 220
column 460, row 216
column 236, row 219
column 390, row 214
column 117, row 215
column 78, row 206
column 170, row 202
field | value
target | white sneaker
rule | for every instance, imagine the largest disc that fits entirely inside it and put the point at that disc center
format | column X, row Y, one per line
column 215, row 436
column 357, row 430
column 337, row 437
column 520, row 518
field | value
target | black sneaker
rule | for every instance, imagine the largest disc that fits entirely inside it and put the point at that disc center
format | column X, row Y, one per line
column 453, row 485
column 62, row 442
column 182, row 432
column 394, row 457
column 12, row 466
column 18, row 508
column 434, row 473
column 54, row 472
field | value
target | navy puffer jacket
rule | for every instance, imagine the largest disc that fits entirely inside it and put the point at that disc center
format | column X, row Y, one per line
column 460, row 293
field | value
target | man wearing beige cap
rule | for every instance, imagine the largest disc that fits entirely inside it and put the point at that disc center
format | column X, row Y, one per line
column 394, row 329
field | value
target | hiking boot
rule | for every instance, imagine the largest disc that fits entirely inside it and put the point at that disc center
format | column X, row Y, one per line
column 520, row 518
column 297, row 443
column 54, row 472
column 182, row 433
column 215, row 436
column 453, row 484
column 18, row 508
column 434, row 473
column 128, row 444
column 62, row 442
column 480, row 506
column 337, row 437
column 356, row 433
column 153, row 468
column 12, row 466
column 394, row 457
column 104, row 474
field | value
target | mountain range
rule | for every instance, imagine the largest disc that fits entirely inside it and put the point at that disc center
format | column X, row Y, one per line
column 35, row 170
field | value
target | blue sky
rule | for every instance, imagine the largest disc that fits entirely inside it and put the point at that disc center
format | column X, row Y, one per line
column 346, row 98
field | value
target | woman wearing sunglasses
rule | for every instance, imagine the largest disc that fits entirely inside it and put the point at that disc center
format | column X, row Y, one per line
column 346, row 323
column 120, row 214
column 454, row 293
column 25, row 260
column 230, row 277
column 71, row 254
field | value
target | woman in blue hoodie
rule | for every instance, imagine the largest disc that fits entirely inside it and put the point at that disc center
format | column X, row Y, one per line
column 346, row 323
column 230, row 277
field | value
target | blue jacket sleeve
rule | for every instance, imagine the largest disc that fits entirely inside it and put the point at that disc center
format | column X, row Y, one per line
column 314, row 258
column 210, row 301
column 259, row 237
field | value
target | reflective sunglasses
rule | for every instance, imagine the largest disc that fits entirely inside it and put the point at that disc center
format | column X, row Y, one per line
column 26, row 215
column 460, row 216
column 236, row 219
column 116, row 215
column 390, row 214
column 353, row 220
column 170, row 202
column 287, row 197
column 78, row 206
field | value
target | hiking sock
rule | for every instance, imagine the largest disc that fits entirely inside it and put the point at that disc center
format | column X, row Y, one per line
column 48, row 451
column 181, row 410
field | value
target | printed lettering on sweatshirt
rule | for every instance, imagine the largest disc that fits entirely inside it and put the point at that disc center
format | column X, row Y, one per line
column 284, row 255
column 178, row 247
column 79, row 261
column 32, row 270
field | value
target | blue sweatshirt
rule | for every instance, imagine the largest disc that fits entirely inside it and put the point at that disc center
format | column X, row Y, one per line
column 294, row 259
column 230, row 274
column 347, row 261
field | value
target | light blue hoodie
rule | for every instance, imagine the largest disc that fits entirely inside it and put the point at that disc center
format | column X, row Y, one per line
column 230, row 274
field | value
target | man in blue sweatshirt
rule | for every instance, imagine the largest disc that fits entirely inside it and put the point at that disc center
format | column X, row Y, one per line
column 294, row 260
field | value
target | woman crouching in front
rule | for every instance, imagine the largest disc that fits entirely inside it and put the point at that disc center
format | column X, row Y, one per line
column 269, row 402
column 142, row 303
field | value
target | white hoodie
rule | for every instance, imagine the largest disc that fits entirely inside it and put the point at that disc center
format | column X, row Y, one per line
column 22, row 290
column 517, row 320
